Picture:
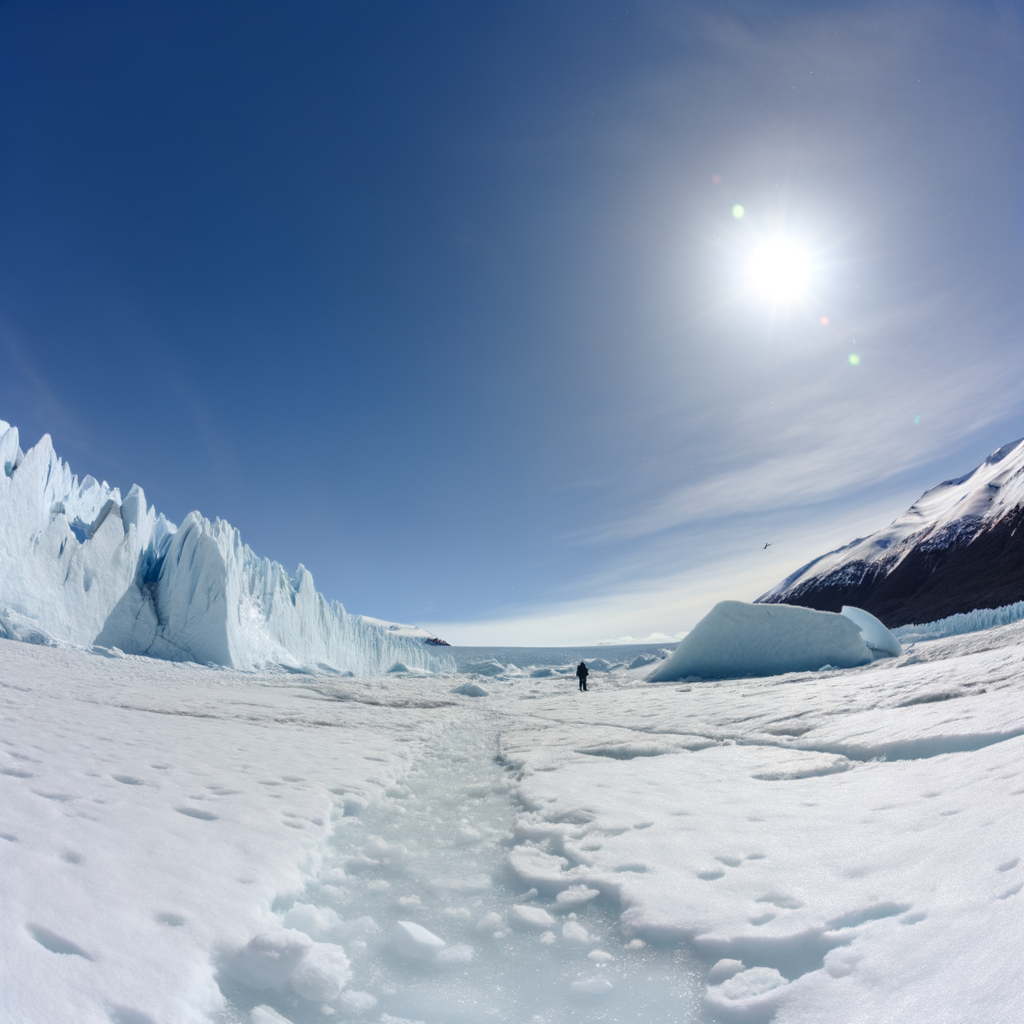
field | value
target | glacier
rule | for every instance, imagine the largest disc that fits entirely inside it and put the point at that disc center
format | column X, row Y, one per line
column 80, row 565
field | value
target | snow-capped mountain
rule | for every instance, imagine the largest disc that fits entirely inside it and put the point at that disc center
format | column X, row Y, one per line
column 956, row 549
column 81, row 565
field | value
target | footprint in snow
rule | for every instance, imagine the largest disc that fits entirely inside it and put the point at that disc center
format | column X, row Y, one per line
column 781, row 900
column 195, row 812
column 55, row 943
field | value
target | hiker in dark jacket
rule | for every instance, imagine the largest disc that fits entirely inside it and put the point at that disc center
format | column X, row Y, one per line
column 581, row 674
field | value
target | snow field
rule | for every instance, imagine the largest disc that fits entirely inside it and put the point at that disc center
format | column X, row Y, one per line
column 185, row 844
column 151, row 813
column 781, row 824
column 418, row 890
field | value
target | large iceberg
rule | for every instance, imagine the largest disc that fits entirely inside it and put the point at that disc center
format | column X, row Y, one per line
column 736, row 639
column 79, row 564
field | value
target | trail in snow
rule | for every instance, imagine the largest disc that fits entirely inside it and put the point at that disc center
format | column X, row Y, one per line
column 436, row 854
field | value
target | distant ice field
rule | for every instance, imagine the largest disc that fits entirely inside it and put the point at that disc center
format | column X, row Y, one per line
column 547, row 657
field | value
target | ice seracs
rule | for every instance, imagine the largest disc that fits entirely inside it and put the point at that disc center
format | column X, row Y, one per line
column 81, row 565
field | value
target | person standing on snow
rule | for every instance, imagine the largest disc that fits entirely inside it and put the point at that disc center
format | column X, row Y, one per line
column 581, row 674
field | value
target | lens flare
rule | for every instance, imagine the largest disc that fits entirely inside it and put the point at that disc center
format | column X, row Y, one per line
column 854, row 359
column 780, row 270
column 738, row 211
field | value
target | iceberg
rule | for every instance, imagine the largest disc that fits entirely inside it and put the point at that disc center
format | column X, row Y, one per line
column 876, row 636
column 736, row 639
column 82, row 566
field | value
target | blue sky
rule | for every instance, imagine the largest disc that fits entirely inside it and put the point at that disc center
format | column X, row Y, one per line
column 448, row 302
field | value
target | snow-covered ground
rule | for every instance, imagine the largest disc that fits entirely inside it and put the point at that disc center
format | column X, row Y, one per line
column 185, row 844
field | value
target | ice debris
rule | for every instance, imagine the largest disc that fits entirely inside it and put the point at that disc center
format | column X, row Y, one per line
column 470, row 690
column 531, row 917
column 414, row 941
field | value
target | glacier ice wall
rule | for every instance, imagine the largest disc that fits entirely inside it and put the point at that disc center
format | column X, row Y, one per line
column 82, row 565
column 962, row 622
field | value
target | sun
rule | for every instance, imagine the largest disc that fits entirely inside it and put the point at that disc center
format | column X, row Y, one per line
column 779, row 271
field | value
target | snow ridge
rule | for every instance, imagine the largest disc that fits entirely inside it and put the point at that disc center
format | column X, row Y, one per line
column 79, row 565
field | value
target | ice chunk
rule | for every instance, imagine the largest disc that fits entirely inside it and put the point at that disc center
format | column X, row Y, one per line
column 490, row 923
column 266, row 1015
column 322, row 973
column 736, row 640
column 460, row 953
column 724, row 970
column 531, row 917
column 414, row 941
column 271, row 958
column 573, row 931
column 470, row 690
column 753, row 982
column 576, row 894
column 641, row 660
column 490, row 667
column 316, row 922
column 591, row 987
column 875, row 635
column 357, row 1002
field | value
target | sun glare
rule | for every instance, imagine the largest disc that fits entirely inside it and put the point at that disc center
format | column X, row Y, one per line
column 780, row 271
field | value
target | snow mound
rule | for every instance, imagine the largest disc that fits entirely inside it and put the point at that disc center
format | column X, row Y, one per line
column 271, row 958
column 322, row 973
column 81, row 566
column 470, row 690
column 737, row 640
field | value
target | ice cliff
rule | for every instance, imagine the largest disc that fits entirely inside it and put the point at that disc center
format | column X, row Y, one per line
column 81, row 565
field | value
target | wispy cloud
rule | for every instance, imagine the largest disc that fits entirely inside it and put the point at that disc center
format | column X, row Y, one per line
column 609, row 603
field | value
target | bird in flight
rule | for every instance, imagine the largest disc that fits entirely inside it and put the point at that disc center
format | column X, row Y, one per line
column 767, row 546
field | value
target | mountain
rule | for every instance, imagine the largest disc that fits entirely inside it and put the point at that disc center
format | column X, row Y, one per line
column 81, row 565
column 956, row 549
